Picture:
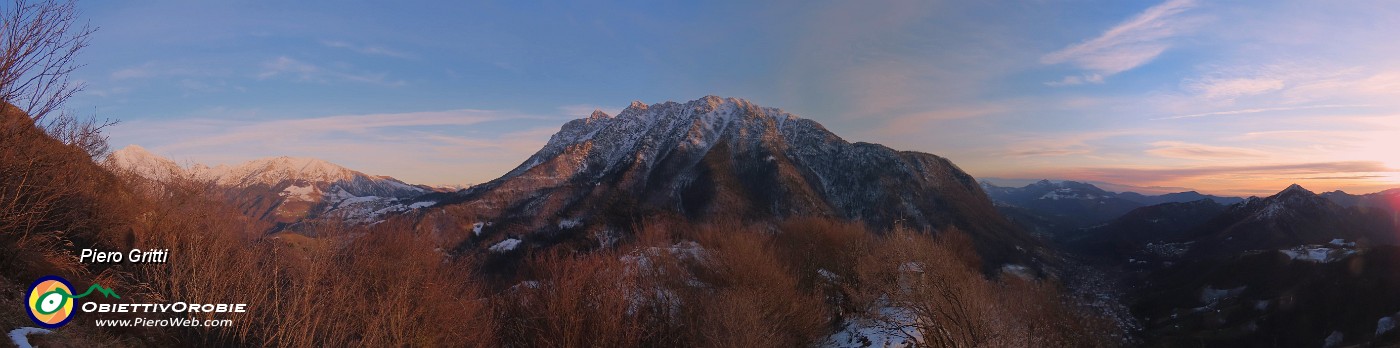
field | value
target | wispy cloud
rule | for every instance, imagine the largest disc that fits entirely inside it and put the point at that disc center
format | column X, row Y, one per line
column 1065, row 144
column 1262, row 110
column 307, row 72
column 153, row 69
column 1165, row 174
column 1074, row 80
column 1214, row 88
column 1191, row 151
column 1048, row 152
column 367, row 49
column 1129, row 44
column 1353, row 177
column 920, row 121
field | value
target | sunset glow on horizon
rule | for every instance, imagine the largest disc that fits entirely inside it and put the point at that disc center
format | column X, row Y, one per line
column 1238, row 98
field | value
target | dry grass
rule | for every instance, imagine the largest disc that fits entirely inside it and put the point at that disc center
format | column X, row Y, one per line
column 671, row 282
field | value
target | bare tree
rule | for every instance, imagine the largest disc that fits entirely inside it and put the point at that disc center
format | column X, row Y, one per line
column 82, row 132
column 39, row 44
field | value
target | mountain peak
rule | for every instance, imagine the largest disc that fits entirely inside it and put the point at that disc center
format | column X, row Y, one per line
column 597, row 114
column 144, row 163
column 134, row 151
column 1295, row 188
column 715, row 156
column 275, row 169
column 133, row 148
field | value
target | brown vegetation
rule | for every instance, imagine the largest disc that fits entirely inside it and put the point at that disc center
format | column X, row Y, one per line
column 672, row 283
column 669, row 282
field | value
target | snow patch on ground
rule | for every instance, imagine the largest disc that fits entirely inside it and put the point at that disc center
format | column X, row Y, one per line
column 421, row 205
column 1333, row 340
column 911, row 267
column 1317, row 253
column 861, row 332
column 1386, row 324
column 358, row 200
column 570, row 223
column 1018, row 270
column 304, row 193
column 20, row 336
column 505, row 245
column 476, row 228
column 642, row 261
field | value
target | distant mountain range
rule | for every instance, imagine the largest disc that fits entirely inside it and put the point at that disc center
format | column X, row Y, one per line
column 1053, row 208
column 1198, row 269
column 1292, row 217
column 719, row 158
column 1295, row 264
column 285, row 190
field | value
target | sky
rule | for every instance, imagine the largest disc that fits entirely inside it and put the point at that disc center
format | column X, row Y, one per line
column 1238, row 97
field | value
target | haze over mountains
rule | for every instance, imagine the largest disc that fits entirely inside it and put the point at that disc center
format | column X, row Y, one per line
column 1052, row 208
column 283, row 190
column 715, row 159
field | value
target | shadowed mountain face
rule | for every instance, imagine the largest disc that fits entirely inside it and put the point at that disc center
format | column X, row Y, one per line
column 715, row 157
column 1294, row 216
column 1162, row 223
column 1290, row 218
column 1061, row 209
column 1292, row 267
column 1387, row 201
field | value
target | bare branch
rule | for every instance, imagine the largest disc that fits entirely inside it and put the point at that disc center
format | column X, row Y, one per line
column 38, row 44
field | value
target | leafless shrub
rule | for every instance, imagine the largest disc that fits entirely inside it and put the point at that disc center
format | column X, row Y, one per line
column 82, row 132
column 38, row 45
column 929, row 291
column 576, row 301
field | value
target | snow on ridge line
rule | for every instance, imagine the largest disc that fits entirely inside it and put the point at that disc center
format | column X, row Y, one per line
column 269, row 171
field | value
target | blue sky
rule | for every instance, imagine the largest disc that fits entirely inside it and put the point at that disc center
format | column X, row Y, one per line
column 1241, row 97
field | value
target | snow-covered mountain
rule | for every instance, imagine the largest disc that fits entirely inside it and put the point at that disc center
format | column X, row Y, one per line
column 285, row 190
column 1058, row 208
column 723, row 157
column 1292, row 217
column 136, row 159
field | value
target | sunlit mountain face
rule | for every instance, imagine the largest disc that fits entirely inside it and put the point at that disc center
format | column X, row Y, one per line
column 997, row 173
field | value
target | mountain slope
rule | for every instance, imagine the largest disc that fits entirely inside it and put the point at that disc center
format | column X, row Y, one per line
column 1291, row 267
column 1292, row 217
column 1178, row 197
column 1131, row 233
column 715, row 158
column 1058, row 208
column 1061, row 209
column 284, row 190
